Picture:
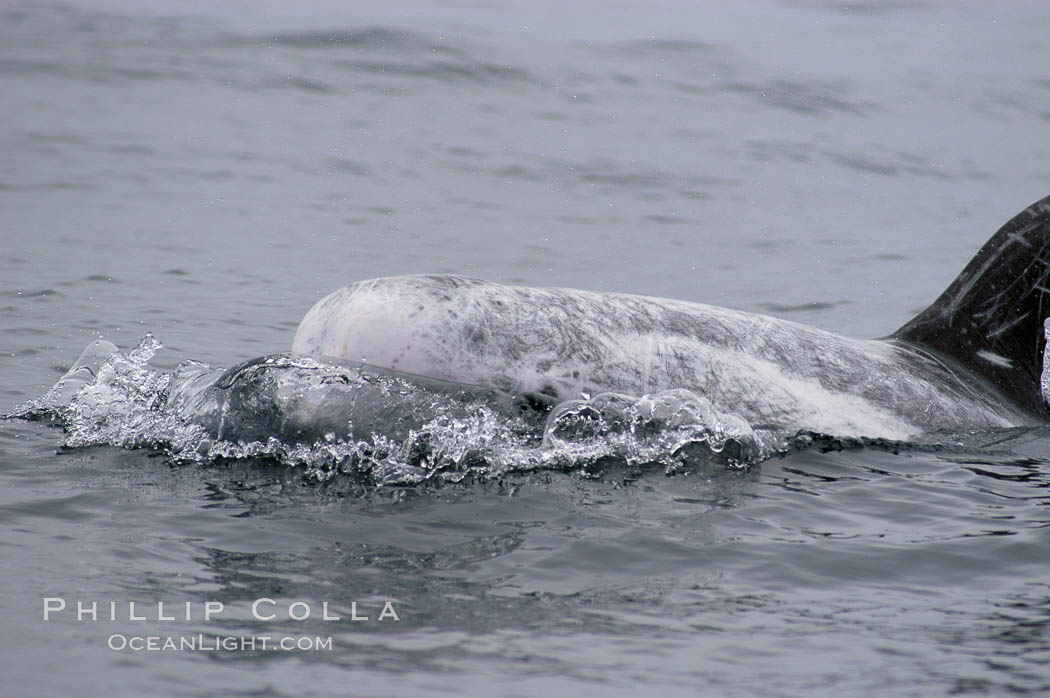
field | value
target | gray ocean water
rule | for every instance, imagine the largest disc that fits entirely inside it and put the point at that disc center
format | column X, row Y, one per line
column 205, row 173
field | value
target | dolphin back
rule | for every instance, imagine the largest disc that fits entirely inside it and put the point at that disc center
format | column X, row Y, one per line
column 990, row 319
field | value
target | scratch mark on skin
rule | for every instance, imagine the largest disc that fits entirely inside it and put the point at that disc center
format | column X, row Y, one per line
column 1008, row 325
column 993, row 358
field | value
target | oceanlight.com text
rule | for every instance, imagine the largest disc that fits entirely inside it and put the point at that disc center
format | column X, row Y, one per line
column 218, row 643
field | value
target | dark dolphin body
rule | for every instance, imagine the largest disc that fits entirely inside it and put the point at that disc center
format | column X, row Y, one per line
column 300, row 399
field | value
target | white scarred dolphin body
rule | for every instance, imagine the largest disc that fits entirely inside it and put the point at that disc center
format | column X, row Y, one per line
column 973, row 359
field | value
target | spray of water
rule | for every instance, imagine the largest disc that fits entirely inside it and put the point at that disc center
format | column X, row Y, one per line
column 328, row 417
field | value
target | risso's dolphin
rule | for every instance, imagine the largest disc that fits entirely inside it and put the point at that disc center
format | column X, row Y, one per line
column 299, row 399
column 973, row 359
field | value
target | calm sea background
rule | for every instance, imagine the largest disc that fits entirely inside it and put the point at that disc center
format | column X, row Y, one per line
column 207, row 171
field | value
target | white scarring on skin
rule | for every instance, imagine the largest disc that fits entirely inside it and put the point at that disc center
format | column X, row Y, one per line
column 567, row 343
column 1044, row 377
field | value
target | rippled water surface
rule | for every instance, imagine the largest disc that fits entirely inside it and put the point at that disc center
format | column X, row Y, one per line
column 205, row 174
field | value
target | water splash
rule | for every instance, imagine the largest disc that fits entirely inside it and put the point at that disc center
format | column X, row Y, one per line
column 333, row 418
column 672, row 427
